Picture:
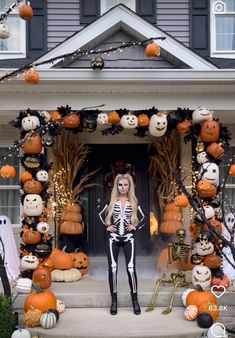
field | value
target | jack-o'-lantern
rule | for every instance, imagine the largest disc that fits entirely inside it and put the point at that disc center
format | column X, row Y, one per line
column 181, row 201
column 129, row 121
column 4, row 31
column 29, row 262
column 232, row 170
column 206, row 189
column 215, row 150
column 208, row 211
column 31, row 236
column 30, row 122
column 158, row 124
column 32, row 187
column 80, row 262
column 114, row 118
column 33, row 205
column 42, row 277
column 184, row 126
column 152, row 50
column 47, row 140
column 143, row 120
column 32, row 145
column 26, row 12
column 202, row 157
column 31, row 76
column 8, row 171
column 88, row 123
column 201, row 114
column 71, row 121
column 43, row 227
column 26, row 176
column 210, row 172
column 102, row 118
column 204, row 248
column 201, row 275
column 97, row 63
column 42, row 176
column 210, row 130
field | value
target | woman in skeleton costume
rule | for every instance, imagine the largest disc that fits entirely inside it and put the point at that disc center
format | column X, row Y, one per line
column 122, row 216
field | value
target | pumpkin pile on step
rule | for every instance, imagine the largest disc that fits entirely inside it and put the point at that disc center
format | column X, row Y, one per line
column 72, row 220
column 171, row 219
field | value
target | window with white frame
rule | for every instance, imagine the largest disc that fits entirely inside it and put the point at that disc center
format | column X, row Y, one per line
column 15, row 45
column 223, row 28
column 106, row 5
column 229, row 193
column 9, row 188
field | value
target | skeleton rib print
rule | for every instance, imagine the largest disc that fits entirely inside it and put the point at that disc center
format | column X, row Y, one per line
column 122, row 217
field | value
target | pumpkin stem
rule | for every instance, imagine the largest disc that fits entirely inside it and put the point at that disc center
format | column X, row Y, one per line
column 199, row 288
column 37, row 288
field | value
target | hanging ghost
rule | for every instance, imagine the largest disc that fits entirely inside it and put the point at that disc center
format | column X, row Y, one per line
column 210, row 172
column 9, row 250
column 201, row 114
column 227, row 268
column 158, row 124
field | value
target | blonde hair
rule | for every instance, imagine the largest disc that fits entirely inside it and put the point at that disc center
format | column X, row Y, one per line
column 131, row 198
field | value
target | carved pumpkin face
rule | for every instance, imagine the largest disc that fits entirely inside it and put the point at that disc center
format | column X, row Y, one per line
column 158, row 124
column 204, row 248
column 102, row 118
column 7, row 171
column 201, row 114
column 32, row 187
column 30, row 123
column 81, row 262
column 42, row 176
column 202, row 157
column 43, row 227
column 29, row 262
column 209, row 131
column 33, row 205
column 129, row 121
column 201, row 275
column 210, row 172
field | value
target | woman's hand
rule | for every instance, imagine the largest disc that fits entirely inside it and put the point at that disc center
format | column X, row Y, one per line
column 130, row 227
column 112, row 228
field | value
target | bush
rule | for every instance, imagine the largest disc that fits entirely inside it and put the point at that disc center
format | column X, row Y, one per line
column 7, row 317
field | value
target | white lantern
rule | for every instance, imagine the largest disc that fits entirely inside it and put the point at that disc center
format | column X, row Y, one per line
column 210, row 172
column 202, row 157
column 24, row 285
column 29, row 262
column 42, row 176
column 33, row 205
column 129, row 121
column 30, row 122
column 201, row 114
column 158, row 124
column 43, row 227
column 201, row 275
column 102, row 118
column 4, row 31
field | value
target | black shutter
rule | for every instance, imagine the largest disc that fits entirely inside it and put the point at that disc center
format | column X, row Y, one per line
column 200, row 26
column 146, row 9
column 36, row 30
column 89, row 11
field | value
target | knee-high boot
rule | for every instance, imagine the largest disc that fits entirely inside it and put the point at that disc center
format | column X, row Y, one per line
column 113, row 307
column 135, row 304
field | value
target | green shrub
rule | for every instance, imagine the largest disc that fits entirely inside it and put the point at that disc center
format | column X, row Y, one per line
column 7, row 317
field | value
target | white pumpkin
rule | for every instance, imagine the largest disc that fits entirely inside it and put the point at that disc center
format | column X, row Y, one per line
column 102, row 118
column 210, row 172
column 60, row 306
column 204, row 248
column 21, row 333
column 158, row 124
column 4, row 31
column 201, row 114
column 201, row 275
column 29, row 262
column 202, row 157
column 70, row 275
column 129, row 121
column 30, row 122
column 43, row 227
column 48, row 320
column 42, row 176
column 209, row 212
column 185, row 295
column 45, row 115
column 33, row 205
column 24, row 285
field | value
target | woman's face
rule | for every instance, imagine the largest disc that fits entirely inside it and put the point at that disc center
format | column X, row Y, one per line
column 123, row 186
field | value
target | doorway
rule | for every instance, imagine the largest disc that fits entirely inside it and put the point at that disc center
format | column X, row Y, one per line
column 106, row 157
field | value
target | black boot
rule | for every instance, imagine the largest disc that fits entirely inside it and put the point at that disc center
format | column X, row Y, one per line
column 113, row 307
column 135, row 304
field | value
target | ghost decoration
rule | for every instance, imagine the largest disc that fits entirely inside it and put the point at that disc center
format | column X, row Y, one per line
column 42, row 176
column 30, row 262
column 158, row 124
column 209, row 212
column 201, row 114
column 4, row 31
column 45, row 115
column 30, row 123
column 210, row 172
column 204, row 248
column 201, row 275
column 227, row 267
column 8, row 249
column 102, row 118
column 129, row 121
column 33, row 205
column 202, row 157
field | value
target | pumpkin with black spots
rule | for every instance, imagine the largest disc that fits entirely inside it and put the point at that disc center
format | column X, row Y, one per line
column 80, row 262
column 8, row 171
column 31, row 76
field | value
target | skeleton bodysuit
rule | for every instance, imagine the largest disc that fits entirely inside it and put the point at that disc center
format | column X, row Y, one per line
column 122, row 238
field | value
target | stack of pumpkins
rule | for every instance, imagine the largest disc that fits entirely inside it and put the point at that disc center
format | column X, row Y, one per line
column 72, row 220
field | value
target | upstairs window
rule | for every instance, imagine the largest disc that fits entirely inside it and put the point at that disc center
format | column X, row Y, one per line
column 106, row 5
column 15, row 46
column 223, row 28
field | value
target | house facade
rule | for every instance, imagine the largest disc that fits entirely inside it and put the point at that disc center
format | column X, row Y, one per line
column 196, row 68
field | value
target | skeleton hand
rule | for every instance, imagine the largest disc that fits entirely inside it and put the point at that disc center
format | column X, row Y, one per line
column 112, row 228
column 130, row 227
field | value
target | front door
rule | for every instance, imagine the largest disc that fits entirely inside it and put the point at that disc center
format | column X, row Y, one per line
column 110, row 159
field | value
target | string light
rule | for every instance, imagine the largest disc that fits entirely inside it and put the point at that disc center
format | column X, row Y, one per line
column 4, row 16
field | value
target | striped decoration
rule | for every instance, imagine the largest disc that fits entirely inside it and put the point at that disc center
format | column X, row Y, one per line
column 48, row 320
column 191, row 312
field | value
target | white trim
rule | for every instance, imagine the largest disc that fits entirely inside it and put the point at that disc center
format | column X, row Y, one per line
column 103, row 5
column 121, row 16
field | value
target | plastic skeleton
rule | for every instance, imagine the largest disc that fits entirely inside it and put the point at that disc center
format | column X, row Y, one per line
column 176, row 251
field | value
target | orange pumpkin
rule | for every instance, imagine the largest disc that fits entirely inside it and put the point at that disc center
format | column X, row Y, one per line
column 7, row 171
column 212, row 261
column 215, row 150
column 206, row 189
column 32, row 145
column 114, row 118
column 210, row 308
column 42, row 277
column 184, row 127
column 143, row 120
column 32, row 187
column 171, row 219
column 162, row 262
column 80, row 262
column 26, row 176
column 199, row 297
column 26, row 12
column 47, row 263
column 62, row 261
column 31, row 236
column 210, row 130
column 73, row 208
column 71, row 228
column 171, row 207
column 152, row 50
column 71, row 121
column 170, row 227
column 232, row 170
column 174, row 216
column 55, row 116
column 181, row 201
column 31, row 76
column 40, row 299
column 72, row 216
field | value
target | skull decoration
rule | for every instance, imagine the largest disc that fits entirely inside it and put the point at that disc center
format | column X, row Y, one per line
column 181, row 235
column 30, row 122
column 208, row 211
column 45, row 115
column 29, row 262
column 102, row 118
column 129, row 121
column 33, row 205
column 204, row 248
column 230, row 222
column 201, row 275
column 202, row 157
column 201, row 114
column 210, row 172
column 4, row 31
column 158, row 124
column 43, row 227
column 42, row 176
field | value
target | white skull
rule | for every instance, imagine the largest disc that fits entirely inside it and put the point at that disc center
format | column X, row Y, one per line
column 210, row 172
column 4, row 31
column 201, row 114
column 204, row 248
column 45, row 115
column 30, row 122
column 129, row 121
column 102, row 118
column 202, row 157
column 43, row 227
column 158, row 124
column 208, row 211
column 42, row 176
column 33, row 205
column 201, row 275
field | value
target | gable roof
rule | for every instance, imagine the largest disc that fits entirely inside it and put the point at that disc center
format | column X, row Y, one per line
column 121, row 17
